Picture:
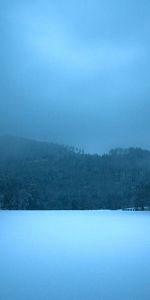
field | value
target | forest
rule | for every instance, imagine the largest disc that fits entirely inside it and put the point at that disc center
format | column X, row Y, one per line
column 46, row 176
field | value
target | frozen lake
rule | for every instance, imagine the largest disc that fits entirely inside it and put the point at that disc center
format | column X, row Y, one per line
column 74, row 255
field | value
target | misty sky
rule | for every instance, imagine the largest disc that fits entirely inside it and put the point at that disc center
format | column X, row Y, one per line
column 76, row 72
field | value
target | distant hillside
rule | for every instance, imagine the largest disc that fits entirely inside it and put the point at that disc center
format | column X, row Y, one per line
column 39, row 175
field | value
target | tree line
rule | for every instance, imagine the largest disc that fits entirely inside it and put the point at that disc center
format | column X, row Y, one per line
column 38, row 175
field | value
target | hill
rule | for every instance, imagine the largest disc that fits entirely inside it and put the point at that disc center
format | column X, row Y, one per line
column 40, row 175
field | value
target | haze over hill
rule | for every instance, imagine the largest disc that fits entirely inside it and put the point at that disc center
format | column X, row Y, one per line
column 76, row 72
column 38, row 175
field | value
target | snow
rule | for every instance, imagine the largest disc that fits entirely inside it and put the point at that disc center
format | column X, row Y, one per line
column 74, row 255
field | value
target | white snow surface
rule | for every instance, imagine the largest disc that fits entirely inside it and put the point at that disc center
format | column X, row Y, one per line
column 74, row 255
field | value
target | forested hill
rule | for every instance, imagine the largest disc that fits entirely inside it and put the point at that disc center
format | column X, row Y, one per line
column 39, row 175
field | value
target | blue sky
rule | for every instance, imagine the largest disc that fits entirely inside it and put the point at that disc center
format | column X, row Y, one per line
column 76, row 72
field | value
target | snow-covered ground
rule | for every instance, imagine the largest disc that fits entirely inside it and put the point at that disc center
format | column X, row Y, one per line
column 74, row 255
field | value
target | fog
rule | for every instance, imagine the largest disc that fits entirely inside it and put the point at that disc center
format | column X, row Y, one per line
column 76, row 72
column 74, row 255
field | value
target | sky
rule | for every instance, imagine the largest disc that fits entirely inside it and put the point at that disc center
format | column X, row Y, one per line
column 76, row 72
